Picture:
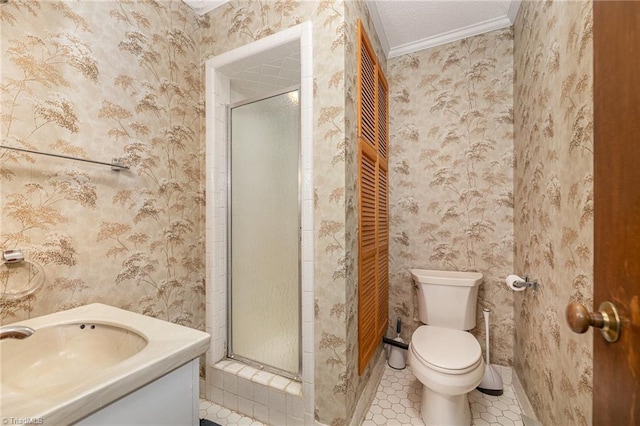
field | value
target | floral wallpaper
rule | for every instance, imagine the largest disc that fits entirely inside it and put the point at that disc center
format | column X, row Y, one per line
column 240, row 22
column 103, row 80
column 123, row 79
column 554, row 204
column 451, row 175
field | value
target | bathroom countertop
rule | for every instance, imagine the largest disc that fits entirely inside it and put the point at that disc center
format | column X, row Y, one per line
column 169, row 346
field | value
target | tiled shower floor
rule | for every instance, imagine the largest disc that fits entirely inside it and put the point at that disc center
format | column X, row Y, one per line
column 397, row 402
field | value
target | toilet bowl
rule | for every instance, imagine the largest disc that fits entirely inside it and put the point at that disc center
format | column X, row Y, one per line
column 449, row 364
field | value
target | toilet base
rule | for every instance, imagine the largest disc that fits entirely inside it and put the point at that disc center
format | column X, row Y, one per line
column 444, row 410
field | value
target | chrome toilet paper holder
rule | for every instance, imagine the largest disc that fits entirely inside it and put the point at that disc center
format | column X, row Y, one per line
column 12, row 256
column 526, row 283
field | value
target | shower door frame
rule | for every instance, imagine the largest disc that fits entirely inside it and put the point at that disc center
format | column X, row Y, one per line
column 229, row 353
column 300, row 38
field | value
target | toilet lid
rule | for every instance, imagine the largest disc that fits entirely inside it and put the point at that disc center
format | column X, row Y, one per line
column 445, row 347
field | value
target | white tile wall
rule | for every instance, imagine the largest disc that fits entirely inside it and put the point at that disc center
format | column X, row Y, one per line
column 218, row 96
column 261, row 412
column 257, row 394
column 260, row 394
column 267, row 74
column 276, row 400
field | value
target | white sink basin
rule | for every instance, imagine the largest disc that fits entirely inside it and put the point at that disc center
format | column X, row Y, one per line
column 65, row 372
column 65, row 354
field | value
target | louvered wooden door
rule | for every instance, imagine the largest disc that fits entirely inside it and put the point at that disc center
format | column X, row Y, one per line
column 373, row 282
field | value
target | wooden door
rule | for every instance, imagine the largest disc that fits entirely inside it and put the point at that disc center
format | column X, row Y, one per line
column 616, row 372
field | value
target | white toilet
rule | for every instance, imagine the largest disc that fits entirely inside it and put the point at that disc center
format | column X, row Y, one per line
column 443, row 356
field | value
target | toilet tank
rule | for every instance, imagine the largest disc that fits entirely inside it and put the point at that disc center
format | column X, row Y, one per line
column 447, row 298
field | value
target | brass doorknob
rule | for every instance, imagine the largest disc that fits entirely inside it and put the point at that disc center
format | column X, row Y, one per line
column 606, row 319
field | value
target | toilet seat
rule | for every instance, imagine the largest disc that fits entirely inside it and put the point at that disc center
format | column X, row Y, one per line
column 446, row 350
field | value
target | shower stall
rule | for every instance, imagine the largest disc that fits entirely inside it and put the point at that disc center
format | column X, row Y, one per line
column 264, row 237
column 260, row 228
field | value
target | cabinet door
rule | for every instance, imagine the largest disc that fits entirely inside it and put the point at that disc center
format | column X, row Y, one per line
column 373, row 268
column 170, row 400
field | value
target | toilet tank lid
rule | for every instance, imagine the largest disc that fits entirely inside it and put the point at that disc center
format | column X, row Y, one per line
column 453, row 278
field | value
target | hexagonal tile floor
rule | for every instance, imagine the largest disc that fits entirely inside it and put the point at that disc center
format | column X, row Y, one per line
column 224, row 416
column 397, row 402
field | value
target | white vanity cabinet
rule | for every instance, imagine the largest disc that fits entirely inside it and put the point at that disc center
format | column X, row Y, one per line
column 170, row 400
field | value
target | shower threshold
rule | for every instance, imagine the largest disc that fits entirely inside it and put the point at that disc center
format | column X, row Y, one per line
column 256, row 393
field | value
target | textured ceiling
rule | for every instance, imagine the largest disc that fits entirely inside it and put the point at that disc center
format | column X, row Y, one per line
column 265, row 73
column 406, row 26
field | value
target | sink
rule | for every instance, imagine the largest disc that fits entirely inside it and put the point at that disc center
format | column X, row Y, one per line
column 81, row 361
column 65, row 353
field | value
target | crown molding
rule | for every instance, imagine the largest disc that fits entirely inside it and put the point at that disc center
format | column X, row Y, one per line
column 513, row 10
column 377, row 23
column 448, row 37
column 202, row 7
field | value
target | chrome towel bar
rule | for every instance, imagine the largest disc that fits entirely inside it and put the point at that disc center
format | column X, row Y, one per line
column 116, row 165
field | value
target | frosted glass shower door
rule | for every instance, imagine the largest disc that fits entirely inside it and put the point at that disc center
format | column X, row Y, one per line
column 264, row 235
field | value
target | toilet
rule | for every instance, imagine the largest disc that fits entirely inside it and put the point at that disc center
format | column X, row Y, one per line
column 443, row 355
